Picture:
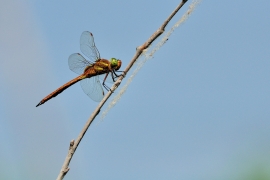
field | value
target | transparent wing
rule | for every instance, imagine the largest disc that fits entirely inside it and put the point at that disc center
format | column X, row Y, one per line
column 77, row 63
column 93, row 88
column 88, row 46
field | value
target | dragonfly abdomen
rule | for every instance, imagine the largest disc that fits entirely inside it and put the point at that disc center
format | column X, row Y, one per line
column 61, row 89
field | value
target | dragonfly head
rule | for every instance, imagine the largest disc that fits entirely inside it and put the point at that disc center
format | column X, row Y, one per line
column 115, row 63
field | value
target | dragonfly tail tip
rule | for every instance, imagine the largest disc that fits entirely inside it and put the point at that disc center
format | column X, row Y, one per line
column 38, row 104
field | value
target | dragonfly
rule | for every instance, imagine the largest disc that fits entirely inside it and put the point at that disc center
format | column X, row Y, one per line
column 89, row 70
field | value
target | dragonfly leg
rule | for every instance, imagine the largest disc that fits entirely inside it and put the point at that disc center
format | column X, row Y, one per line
column 104, row 85
column 113, row 78
column 120, row 74
column 114, row 72
column 116, row 76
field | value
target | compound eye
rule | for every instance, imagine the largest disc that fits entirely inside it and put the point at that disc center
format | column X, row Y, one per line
column 114, row 61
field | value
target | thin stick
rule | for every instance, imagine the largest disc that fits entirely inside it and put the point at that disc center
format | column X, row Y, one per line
column 149, row 55
column 74, row 144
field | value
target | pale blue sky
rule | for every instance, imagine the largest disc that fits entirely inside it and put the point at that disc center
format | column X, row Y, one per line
column 199, row 109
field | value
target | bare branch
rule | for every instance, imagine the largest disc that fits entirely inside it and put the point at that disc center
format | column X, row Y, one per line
column 74, row 144
column 148, row 54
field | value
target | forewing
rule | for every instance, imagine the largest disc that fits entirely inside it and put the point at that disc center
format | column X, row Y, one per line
column 77, row 63
column 88, row 46
column 93, row 88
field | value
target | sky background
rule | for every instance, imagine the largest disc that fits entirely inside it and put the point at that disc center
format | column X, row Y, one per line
column 200, row 109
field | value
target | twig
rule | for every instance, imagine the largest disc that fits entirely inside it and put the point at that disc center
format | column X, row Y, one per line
column 149, row 54
column 74, row 144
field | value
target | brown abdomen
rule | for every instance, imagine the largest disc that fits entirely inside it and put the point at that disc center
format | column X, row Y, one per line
column 61, row 89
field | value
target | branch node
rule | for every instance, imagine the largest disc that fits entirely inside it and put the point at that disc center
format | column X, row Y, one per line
column 71, row 143
column 124, row 74
column 140, row 48
column 66, row 170
column 118, row 82
column 161, row 31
